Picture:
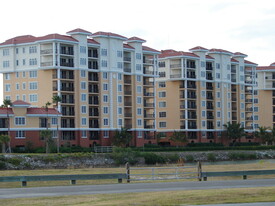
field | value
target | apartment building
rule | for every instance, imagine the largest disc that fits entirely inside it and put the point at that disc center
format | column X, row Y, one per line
column 26, row 122
column 265, row 90
column 106, row 81
column 201, row 90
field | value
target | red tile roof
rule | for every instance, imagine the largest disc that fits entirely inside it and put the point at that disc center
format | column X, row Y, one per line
column 239, row 54
column 146, row 48
column 209, row 57
column 51, row 111
column 248, row 62
column 128, row 46
column 198, row 48
column 171, row 53
column 134, row 38
column 20, row 103
column 78, row 30
column 272, row 64
column 234, row 60
column 92, row 41
column 266, row 68
column 19, row 40
column 109, row 34
column 219, row 51
column 56, row 36
column 3, row 111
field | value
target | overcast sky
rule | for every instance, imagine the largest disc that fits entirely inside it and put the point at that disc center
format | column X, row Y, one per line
column 246, row 26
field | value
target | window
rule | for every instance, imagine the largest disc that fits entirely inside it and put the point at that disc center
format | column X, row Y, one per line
column 32, row 49
column 83, row 97
column 218, row 66
column 162, row 84
column 17, row 62
column 203, row 103
column 33, row 62
column 203, row 84
column 228, row 114
column 17, row 86
column 218, row 85
column 83, row 73
column 138, row 67
column 120, row 122
column 20, row 134
column 203, row 93
column 139, row 89
column 105, row 110
column 119, row 53
column 6, row 52
column 256, row 109
column 104, row 63
column 242, row 96
column 139, row 134
column 241, row 78
column 139, row 122
column 33, row 97
column 242, row 105
column 7, row 76
column 119, row 110
column 54, row 121
column 54, row 134
column 24, row 61
column 119, row 76
column 203, row 123
column 17, row 97
column 105, row 134
column 119, row 65
column 162, row 94
column 256, row 101
column 6, row 64
column 105, row 75
column 23, row 50
column 162, row 124
column 202, row 64
column 256, row 117
column 104, row 52
column 105, row 122
column 105, row 87
column 218, row 94
column 83, row 85
column 218, row 123
column 105, row 98
column 139, row 100
column 119, row 87
column 138, row 55
column 83, row 121
column 218, row 75
column 162, row 104
column 241, row 69
column 228, row 67
column 139, row 111
column 242, row 115
column 138, row 78
column 218, row 114
column 203, row 113
column 20, row 121
column 82, row 49
column 119, row 99
column 162, row 114
column 202, row 73
column 84, row 134
column 219, row 104
column 23, row 97
column 24, row 85
column 33, row 86
column 7, row 87
column 33, row 74
column 83, row 61
column 256, row 92
column 83, row 109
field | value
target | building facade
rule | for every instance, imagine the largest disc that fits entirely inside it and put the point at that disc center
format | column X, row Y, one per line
column 105, row 80
column 201, row 90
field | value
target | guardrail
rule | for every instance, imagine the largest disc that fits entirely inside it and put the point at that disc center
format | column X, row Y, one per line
column 244, row 174
column 103, row 149
column 72, row 178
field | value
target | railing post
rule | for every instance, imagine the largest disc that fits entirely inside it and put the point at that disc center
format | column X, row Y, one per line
column 128, row 172
column 24, row 183
column 73, row 182
column 199, row 171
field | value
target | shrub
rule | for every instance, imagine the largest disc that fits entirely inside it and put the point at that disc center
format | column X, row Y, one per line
column 211, row 157
column 123, row 155
column 2, row 165
column 189, row 158
column 171, row 158
column 152, row 158
column 14, row 161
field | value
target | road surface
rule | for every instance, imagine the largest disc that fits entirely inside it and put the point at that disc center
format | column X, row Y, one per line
column 130, row 187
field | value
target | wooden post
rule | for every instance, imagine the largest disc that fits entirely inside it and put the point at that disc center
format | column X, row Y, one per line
column 205, row 178
column 128, row 172
column 73, row 182
column 119, row 180
column 244, row 177
column 199, row 171
column 24, row 183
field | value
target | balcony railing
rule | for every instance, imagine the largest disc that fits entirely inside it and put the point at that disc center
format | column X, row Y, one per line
column 46, row 51
column 46, row 64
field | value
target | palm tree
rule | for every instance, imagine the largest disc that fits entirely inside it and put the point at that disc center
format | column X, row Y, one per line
column 46, row 134
column 264, row 134
column 234, row 131
column 6, row 104
column 178, row 137
column 4, row 139
column 56, row 99
column 122, row 137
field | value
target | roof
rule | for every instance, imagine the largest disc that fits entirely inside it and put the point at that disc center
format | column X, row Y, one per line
column 272, row 64
column 56, row 36
column 20, row 103
column 171, row 53
column 3, row 111
column 249, row 62
column 209, row 57
column 220, row 51
column 266, row 68
column 79, row 31
column 198, row 48
column 128, row 46
column 92, row 41
column 41, row 111
column 234, row 60
column 108, row 34
column 240, row 54
column 146, row 48
column 136, row 39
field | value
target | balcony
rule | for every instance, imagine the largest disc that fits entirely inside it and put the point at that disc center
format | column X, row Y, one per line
column 149, row 105
column 147, row 83
column 127, row 93
column 148, row 94
column 128, row 114
column 147, row 71
column 67, row 64
column 127, row 69
column 127, row 81
column 148, row 61
column 149, row 115
column 127, row 59
column 128, row 104
column 175, row 66
column 174, row 76
column 149, row 126
column 46, row 64
column 67, row 89
column 92, row 54
column 46, row 51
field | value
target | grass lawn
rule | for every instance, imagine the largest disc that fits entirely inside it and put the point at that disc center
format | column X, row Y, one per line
column 195, row 197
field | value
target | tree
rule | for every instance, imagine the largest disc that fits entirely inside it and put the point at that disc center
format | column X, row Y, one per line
column 264, row 134
column 6, row 104
column 56, row 100
column 178, row 137
column 47, row 136
column 122, row 137
column 234, row 131
column 4, row 139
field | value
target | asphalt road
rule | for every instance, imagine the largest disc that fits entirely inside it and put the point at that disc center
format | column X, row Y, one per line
column 130, row 187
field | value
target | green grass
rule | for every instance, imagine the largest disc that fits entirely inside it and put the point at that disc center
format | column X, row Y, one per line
column 195, row 197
